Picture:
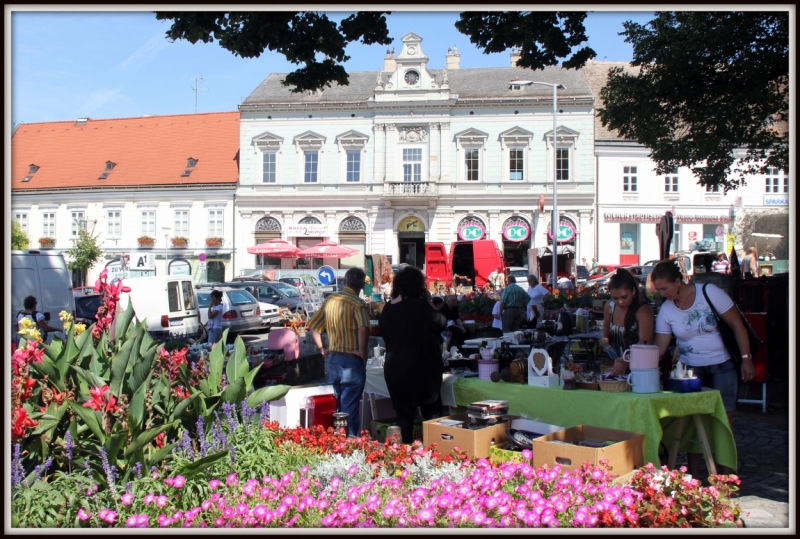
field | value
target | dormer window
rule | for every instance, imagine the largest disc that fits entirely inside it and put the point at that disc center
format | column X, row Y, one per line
column 516, row 87
column 33, row 169
column 191, row 162
column 103, row 176
column 110, row 166
column 314, row 93
column 26, row 179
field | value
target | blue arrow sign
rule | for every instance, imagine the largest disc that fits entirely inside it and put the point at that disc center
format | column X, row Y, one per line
column 326, row 275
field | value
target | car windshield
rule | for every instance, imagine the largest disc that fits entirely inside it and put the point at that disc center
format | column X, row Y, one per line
column 203, row 300
column 519, row 273
column 288, row 290
column 240, row 297
column 86, row 307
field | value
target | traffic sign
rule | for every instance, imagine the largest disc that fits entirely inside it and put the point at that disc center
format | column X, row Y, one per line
column 720, row 231
column 201, row 264
column 201, row 257
column 326, row 275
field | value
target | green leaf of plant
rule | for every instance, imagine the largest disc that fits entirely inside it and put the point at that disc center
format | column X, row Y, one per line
column 82, row 339
column 268, row 394
column 237, row 365
column 205, row 388
column 47, row 368
column 235, row 392
column 92, row 379
column 136, row 407
column 141, row 370
column 250, row 376
column 54, row 349
column 147, row 339
column 122, row 321
column 113, row 445
column 155, row 458
column 146, row 437
column 51, row 418
column 215, row 361
column 119, row 364
column 183, row 405
column 194, row 468
column 89, row 419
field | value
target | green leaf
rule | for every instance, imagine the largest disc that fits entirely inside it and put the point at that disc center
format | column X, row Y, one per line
column 90, row 420
column 119, row 364
column 54, row 349
column 250, row 376
column 141, row 370
column 155, row 458
column 92, row 379
column 122, row 321
column 146, row 437
column 47, row 368
column 235, row 392
column 237, row 365
column 193, row 468
column 205, row 388
column 147, row 340
column 268, row 394
column 136, row 408
column 215, row 361
column 113, row 445
column 84, row 337
column 183, row 405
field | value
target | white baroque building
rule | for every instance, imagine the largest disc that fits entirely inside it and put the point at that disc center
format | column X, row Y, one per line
column 407, row 155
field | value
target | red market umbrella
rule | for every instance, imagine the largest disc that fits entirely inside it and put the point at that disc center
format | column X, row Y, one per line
column 328, row 249
column 274, row 249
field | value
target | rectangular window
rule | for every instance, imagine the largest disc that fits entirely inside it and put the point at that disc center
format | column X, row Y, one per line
column 629, row 239
column 78, row 222
column 671, row 181
column 712, row 189
column 629, row 183
column 472, row 164
column 149, row 223
column 785, row 182
column 412, row 164
column 182, row 223
column 215, row 222
column 174, row 296
column 49, row 225
column 311, row 167
column 353, row 166
column 22, row 219
column 269, row 167
column 773, row 180
column 516, row 166
column 114, row 224
column 562, row 164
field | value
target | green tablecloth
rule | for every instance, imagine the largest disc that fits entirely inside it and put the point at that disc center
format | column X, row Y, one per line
column 652, row 414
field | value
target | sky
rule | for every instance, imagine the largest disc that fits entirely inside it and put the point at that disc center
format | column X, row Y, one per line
column 114, row 64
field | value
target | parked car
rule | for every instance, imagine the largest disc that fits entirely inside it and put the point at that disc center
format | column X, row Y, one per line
column 306, row 280
column 168, row 303
column 273, row 292
column 240, row 310
column 602, row 269
column 640, row 272
column 599, row 284
column 582, row 274
column 270, row 315
column 86, row 305
column 45, row 276
column 521, row 274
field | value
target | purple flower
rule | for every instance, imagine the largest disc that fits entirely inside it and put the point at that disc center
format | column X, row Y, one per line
column 126, row 499
column 213, row 484
column 84, row 515
column 143, row 521
column 69, row 445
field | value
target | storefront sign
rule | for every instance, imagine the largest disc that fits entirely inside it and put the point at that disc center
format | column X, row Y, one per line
column 116, row 271
column 656, row 217
column 471, row 232
column 566, row 232
column 313, row 230
column 776, row 200
column 517, row 232
column 692, row 236
column 411, row 224
column 142, row 261
column 180, row 267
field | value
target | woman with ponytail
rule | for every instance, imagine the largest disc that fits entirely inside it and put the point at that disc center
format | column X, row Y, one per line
column 626, row 319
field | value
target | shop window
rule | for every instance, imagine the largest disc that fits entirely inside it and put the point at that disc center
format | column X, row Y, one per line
column 629, row 239
column 215, row 271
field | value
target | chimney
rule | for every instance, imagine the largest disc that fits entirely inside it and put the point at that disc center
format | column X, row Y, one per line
column 389, row 62
column 453, row 59
column 515, row 55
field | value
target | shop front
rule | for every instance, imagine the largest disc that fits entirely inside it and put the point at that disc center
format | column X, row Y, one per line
column 267, row 228
column 307, row 233
column 516, row 240
column 471, row 228
column 411, row 241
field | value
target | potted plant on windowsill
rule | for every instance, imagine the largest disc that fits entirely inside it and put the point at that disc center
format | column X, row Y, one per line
column 47, row 243
column 145, row 241
column 180, row 242
column 214, row 242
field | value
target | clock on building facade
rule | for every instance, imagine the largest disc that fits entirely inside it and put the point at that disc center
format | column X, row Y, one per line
column 412, row 77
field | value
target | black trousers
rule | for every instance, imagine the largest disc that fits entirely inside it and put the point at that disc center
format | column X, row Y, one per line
column 406, row 414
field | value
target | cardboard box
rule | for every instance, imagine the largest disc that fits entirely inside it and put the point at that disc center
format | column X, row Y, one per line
column 624, row 479
column 626, row 454
column 548, row 380
column 475, row 443
column 499, row 453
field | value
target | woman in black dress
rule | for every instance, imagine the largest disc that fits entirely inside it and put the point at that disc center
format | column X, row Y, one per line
column 411, row 328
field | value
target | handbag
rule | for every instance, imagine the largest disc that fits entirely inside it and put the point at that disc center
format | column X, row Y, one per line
column 729, row 336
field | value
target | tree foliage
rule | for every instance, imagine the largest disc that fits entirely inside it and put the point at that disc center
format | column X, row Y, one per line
column 709, row 84
column 19, row 239
column 85, row 252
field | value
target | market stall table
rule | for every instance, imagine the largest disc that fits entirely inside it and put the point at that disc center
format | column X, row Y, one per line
column 655, row 415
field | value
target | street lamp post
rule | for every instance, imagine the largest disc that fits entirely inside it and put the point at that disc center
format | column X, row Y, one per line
column 166, row 231
column 554, row 223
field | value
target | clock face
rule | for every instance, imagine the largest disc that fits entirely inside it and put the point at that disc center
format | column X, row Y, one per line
column 412, row 77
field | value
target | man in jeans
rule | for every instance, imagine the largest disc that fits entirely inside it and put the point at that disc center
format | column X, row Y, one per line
column 344, row 317
column 512, row 303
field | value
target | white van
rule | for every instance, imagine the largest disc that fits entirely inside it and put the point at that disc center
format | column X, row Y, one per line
column 167, row 303
column 44, row 275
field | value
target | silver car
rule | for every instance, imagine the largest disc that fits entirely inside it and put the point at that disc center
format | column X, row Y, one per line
column 240, row 310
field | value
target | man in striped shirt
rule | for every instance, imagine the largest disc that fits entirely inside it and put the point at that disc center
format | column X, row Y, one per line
column 343, row 316
column 512, row 303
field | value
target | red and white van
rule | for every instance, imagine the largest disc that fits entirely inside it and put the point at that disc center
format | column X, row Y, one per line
column 473, row 259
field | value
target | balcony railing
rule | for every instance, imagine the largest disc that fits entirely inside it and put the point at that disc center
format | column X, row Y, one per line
column 409, row 189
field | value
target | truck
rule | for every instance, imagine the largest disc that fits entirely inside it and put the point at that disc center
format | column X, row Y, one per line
column 475, row 260
column 540, row 262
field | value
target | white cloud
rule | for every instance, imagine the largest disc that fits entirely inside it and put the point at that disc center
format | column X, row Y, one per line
column 98, row 99
column 145, row 53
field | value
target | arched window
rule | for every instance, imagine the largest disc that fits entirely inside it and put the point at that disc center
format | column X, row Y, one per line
column 353, row 233
column 309, row 220
column 269, row 224
column 267, row 228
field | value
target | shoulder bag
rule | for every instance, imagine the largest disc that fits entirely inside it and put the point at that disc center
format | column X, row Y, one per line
column 729, row 336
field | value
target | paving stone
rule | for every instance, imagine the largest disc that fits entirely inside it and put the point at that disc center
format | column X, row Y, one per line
column 759, row 512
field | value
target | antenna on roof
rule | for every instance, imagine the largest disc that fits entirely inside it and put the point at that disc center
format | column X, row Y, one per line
column 197, row 82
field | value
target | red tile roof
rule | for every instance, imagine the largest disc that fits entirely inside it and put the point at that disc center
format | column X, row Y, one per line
column 150, row 150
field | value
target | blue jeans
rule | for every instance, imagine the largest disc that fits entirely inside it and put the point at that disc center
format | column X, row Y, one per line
column 348, row 375
column 214, row 335
column 724, row 377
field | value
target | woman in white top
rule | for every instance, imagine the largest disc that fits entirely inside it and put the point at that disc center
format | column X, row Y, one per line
column 497, row 318
column 538, row 295
column 686, row 314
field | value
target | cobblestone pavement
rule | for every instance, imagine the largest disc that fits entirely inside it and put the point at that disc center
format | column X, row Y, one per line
column 762, row 444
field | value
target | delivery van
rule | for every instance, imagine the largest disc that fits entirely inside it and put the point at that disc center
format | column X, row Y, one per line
column 44, row 275
column 475, row 260
column 167, row 303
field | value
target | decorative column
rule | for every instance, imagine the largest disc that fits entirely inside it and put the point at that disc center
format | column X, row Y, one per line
column 494, row 232
column 444, row 153
column 379, row 156
column 434, row 168
column 330, row 220
column 391, row 149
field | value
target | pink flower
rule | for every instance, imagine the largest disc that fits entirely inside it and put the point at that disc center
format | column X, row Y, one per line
column 161, row 501
column 242, row 509
column 219, row 522
column 229, row 512
column 143, row 521
column 478, row 517
column 232, row 480
column 206, row 505
column 179, row 481
column 84, row 515
column 168, row 481
column 126, row 499
column 213, row 484
column 131, row 522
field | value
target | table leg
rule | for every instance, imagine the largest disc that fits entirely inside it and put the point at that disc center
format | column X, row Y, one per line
column 701, row 430
column 676, row 442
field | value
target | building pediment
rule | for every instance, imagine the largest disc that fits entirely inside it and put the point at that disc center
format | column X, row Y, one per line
column 268, row 141
column 516, row 133
column 562, row 132
column 352, row 139
column 471, row 135
column 309, row 140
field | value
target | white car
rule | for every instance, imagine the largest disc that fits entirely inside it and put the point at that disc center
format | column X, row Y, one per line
column 521, row 274
column 270, row 315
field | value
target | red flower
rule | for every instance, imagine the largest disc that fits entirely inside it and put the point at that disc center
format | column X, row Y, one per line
column 100, row 402
column 160, row 440
column 20, row 422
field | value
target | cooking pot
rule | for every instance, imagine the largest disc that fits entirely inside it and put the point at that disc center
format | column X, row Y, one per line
column 642, row 356
column 645, row 380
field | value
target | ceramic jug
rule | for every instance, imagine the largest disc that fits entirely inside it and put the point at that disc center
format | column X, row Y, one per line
column 645, row 381
column 642, row 356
